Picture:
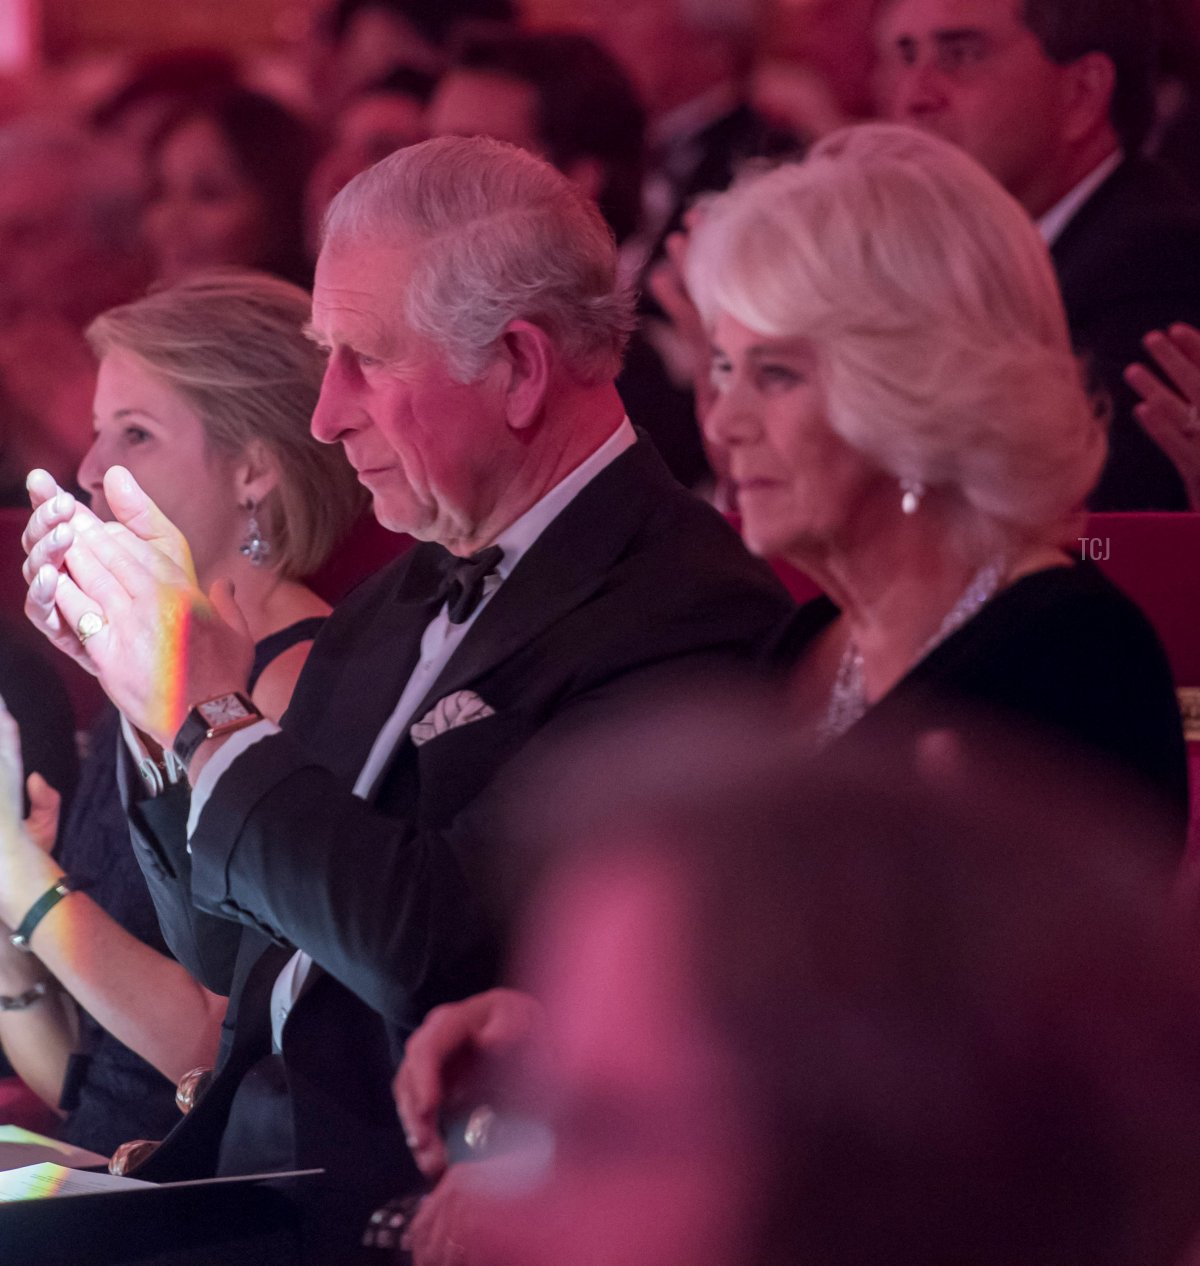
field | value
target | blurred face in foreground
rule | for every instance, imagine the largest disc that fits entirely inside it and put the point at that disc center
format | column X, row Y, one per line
column 650, row 1163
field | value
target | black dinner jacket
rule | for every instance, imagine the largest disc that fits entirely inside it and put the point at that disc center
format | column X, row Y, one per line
column 1129, row 262
column 634, row 586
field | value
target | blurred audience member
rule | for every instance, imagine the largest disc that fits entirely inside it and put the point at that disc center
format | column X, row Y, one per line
column 228, row 177
column 819, row 74
column 69, row 248
column 560, row 95
column 1055, row 98
column 358, row 42
column 31, row 691
column 157, row 84
column 557, row 94
column 386, row 116
column 854, row 1014
column 1170, row 409
column 904, row 420
column 68, row 235
column 1173, row 140
column 205, row 393
column 689, row 60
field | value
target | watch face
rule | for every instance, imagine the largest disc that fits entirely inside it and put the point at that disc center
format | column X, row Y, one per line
column 223, row 710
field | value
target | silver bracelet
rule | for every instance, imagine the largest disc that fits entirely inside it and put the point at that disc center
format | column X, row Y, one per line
column 23, row 1001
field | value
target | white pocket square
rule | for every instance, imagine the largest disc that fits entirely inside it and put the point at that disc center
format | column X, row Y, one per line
column 460, row 708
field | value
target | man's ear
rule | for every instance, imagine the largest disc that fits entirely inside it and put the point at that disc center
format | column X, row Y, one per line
column 256, row 473
column 1091, row 82
column 532, row 361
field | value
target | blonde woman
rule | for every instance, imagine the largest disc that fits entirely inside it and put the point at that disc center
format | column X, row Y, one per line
column 900, row 411
column 204, row 392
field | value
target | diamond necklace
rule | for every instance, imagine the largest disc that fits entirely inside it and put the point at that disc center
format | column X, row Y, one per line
column 848, row 698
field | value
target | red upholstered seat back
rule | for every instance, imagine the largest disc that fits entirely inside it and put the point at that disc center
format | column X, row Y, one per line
column 364, row 550
column 1155, row 559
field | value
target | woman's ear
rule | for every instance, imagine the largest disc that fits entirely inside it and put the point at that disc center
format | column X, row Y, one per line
column 256, row 473
column 532, row 358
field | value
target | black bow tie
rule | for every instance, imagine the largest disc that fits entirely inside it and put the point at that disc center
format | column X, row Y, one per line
column 463, row 580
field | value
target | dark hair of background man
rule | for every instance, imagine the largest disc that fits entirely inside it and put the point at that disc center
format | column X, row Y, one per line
column 433, row 20
column 586, row 107
column 1126, row 31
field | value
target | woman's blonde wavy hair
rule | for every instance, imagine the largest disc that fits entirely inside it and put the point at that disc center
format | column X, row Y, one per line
column 933, row 309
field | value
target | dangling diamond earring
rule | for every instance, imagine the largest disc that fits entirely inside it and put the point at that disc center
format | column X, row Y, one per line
column 913, row 490
column 255, row 545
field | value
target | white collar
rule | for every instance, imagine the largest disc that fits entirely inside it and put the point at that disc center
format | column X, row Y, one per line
column 679, row 124
column 1052, row 224
column 516, row 539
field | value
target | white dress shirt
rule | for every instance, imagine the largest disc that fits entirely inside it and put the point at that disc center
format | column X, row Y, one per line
column 1054, row 222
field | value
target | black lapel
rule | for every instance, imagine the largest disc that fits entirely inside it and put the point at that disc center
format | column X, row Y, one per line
column 567, row 563
column 1094, row 212
column 379, row 663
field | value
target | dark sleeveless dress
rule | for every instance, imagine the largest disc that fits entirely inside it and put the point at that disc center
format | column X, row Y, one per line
column 110, row 1094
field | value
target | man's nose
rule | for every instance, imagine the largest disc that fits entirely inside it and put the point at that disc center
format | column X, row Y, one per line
column 335, row 409
column 914, row 90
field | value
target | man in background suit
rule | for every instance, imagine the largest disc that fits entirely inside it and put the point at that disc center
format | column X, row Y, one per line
column 1055, row 98
column 560, row 95
column 689, row 61
column 346, row 871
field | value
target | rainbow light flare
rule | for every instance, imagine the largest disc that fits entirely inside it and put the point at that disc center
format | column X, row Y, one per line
column 168, row 704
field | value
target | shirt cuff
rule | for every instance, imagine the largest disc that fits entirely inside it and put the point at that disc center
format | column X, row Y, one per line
column 156, row 776
column 238, row 742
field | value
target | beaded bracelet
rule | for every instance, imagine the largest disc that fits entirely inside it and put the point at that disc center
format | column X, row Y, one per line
column 37, row 912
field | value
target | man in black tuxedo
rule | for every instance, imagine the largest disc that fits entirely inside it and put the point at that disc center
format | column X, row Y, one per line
column 343, row 874
column 1055, row 98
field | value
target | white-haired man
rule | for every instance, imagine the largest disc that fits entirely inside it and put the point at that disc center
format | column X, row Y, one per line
column 467, row 297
